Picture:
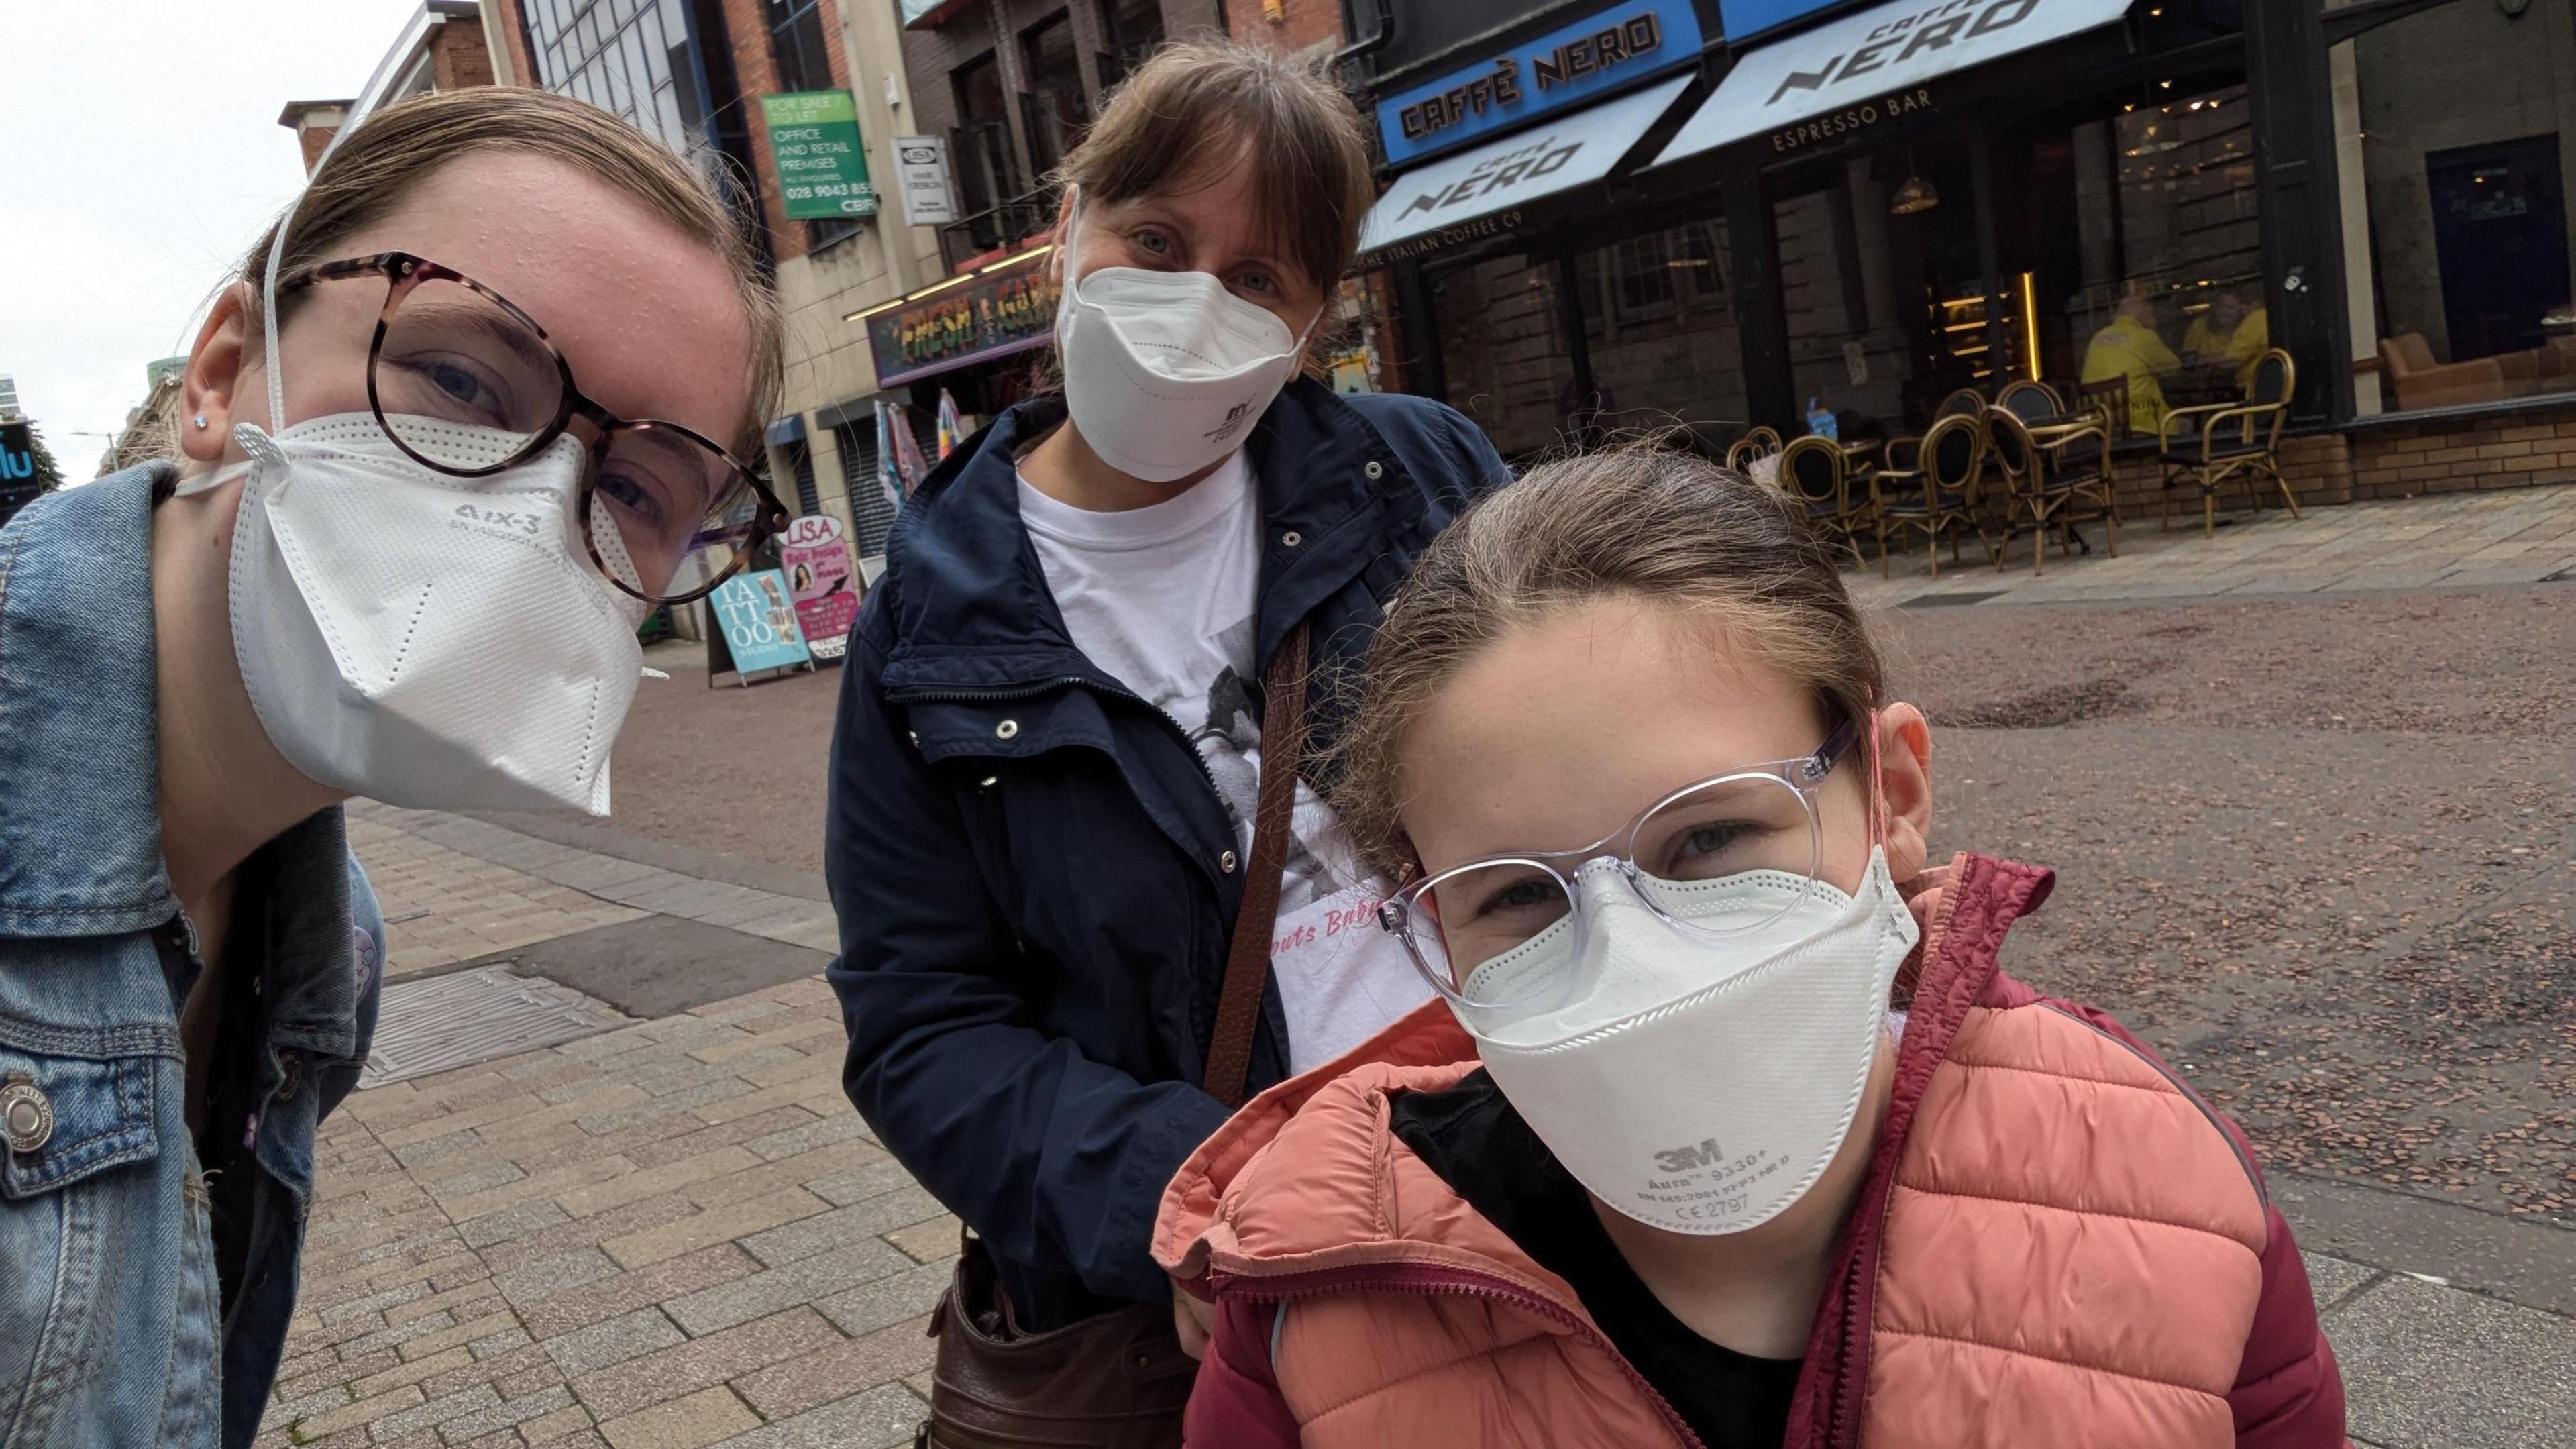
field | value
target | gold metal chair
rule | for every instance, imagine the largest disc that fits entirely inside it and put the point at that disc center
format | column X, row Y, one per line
column 2031, row 400
column 2042, row 483
column 1904, row 454
column 1817, row 475
column 1939, row 494
column 2209, row 447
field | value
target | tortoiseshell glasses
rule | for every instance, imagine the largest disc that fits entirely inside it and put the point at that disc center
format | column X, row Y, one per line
column 466, row 383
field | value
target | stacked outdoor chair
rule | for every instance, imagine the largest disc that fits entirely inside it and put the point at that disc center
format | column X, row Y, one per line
column 1817, row 474
column 2045, row 483
column 1939, row 493
column 2208, row 448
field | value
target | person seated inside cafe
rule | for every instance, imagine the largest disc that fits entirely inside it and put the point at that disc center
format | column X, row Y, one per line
column 2232, row 334
column 2129, row 346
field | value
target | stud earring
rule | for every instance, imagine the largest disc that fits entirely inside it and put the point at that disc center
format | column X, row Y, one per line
column 199, row 420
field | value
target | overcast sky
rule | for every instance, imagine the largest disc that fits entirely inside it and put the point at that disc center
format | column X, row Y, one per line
column 142, row 156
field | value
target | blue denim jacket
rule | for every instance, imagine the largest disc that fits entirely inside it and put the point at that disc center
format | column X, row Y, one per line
column 111, row 1326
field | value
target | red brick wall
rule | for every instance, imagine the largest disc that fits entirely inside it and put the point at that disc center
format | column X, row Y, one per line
column 457, row 57
column 1284, row 24
column 757, row 73
column 313, row 139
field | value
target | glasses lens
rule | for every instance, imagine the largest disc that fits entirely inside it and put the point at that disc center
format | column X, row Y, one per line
column 682, row 512
column 1471, row 916
column 1726, row 828
column 461, row 380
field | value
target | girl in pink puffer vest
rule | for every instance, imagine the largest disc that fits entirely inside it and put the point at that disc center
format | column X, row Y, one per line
column 1728, row 1130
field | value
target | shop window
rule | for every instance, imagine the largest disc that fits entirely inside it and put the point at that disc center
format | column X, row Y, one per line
column 1659, row 326
column 1503, row 348
column 981, row 143
column 2452, row 127
column 1132, row 29
column 1052, row 106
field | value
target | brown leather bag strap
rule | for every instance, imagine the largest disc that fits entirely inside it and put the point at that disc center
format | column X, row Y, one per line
column 1247, row 961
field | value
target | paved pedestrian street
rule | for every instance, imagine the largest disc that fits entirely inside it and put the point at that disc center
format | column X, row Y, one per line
column 676, row 1232
column 673, row 1234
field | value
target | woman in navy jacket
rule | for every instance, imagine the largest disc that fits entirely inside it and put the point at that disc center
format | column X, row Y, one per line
column 1036, row 859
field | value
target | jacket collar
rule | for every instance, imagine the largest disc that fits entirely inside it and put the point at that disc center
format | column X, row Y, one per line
column 967, row 598
column 80, row 824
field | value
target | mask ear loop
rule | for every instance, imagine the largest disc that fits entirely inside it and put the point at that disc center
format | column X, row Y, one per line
column 1870, row 762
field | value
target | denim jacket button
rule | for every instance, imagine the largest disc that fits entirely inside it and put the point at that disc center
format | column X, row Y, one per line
column 1007, row 728
column 1225, row 862
column 26, row 1114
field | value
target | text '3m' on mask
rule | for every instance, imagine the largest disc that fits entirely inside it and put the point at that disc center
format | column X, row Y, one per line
column 423, row 639
column 1696, row 1083
column 1165, row 372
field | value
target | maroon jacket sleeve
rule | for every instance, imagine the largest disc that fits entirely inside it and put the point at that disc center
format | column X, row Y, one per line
column 1236, row 1402
column 2289, row 1393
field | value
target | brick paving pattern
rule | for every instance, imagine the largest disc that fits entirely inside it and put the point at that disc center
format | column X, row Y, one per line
column 676, row 1234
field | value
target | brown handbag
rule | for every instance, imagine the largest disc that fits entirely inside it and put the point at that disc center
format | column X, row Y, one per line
column 1121, row 1380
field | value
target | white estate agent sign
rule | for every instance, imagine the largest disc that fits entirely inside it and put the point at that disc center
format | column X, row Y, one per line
column 921, row 173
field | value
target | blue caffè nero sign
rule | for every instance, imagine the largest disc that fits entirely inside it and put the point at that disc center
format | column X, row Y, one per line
column 1567, row 66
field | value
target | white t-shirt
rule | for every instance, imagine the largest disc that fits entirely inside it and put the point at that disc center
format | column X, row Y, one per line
column 1163, row 599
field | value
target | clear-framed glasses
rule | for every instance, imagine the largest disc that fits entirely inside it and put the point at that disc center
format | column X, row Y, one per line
column 1760, row 818
column 466, row 383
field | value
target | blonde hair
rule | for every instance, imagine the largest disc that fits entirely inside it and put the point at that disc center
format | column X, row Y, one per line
column 1194, row 105
column 1641, row 523
column 398, row 147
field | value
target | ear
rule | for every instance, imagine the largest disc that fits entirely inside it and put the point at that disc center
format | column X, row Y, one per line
column 1905, row 788
column 1062, row 231
column 211, row 387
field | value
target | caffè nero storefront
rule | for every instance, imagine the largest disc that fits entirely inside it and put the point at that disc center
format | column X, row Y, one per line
column 1602, row 218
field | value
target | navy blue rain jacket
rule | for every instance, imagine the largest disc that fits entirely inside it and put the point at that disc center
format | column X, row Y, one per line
column 1034, row 875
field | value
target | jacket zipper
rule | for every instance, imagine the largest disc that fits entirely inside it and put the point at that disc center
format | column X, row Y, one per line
column 1337, row 1280
column 1049, row 686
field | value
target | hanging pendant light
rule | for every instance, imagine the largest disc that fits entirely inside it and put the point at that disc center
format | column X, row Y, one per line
column 1916, row 195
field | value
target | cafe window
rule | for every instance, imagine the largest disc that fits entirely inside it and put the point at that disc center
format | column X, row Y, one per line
column 2452, row 154
column 1860, row 289
column 1659, row 326
column 1503, row 349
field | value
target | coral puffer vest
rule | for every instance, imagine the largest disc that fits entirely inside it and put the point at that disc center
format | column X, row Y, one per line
column 2056, row 1243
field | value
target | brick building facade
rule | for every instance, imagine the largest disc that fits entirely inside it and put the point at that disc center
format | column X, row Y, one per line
column 1010, row 83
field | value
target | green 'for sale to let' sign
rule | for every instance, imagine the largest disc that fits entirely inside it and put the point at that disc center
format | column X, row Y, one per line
column 822, row 167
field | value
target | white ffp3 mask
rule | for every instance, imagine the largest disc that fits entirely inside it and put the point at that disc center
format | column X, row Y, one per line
column 1696, row 1084
column 1165, row 372
column 423, row 639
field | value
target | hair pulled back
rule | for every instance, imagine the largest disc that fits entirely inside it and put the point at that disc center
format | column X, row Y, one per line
column 1641, row 523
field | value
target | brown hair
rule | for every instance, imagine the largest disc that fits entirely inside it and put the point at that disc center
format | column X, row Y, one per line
column 1197, row 104
column 1640, row 522
column 395, row 149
